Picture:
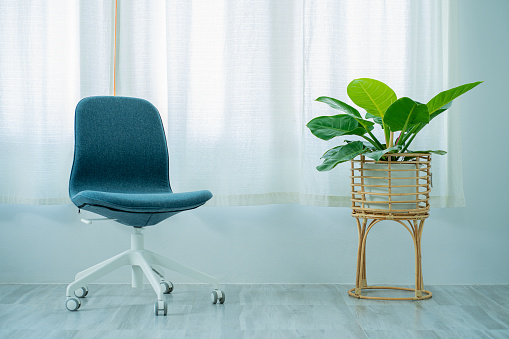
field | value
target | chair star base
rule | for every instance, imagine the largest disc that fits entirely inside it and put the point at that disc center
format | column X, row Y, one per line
column 142, row 262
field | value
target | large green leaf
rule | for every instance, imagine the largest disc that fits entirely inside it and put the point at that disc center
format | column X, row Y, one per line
column 330, row 153
column 445, row 97
column 441, row 110
column 368, row 125
column 439, row 152
column 366, row 144
column 351, row 111
column 376, row 119
column 372, row 95
column 328, row 127
column 405, row 113
column 341, row 154
column 336, row 104
column 379, row 154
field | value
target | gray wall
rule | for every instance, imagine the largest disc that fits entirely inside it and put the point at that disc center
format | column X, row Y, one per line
column 297, row 244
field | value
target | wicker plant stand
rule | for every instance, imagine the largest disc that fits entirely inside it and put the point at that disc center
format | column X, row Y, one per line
column 391, row 190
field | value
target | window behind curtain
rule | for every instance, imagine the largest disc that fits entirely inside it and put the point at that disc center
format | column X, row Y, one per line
column 235, row 82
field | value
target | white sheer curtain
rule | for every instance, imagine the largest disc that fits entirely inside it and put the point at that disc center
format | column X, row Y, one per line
column 409, row 45
column 39, row 85
column 53, row 53
column 235, row 82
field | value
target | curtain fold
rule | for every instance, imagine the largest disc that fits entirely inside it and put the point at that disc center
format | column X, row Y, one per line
column 235, row 83
column 39, row 86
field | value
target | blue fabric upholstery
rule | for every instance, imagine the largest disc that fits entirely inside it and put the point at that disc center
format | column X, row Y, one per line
column 120, row 167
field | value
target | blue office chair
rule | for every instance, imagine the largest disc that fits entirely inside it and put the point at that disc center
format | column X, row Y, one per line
column 120, row 171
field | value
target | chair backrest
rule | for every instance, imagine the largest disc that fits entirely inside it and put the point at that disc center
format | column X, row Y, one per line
column 120, row 146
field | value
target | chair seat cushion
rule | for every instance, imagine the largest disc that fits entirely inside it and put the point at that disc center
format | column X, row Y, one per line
column 158, row 202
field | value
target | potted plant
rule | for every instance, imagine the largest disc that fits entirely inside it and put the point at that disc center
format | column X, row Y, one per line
column 400, row 119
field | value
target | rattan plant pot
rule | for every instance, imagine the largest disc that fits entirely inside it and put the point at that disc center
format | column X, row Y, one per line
column 394, row 188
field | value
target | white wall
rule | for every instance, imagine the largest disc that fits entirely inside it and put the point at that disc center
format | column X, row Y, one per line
column 297, row 244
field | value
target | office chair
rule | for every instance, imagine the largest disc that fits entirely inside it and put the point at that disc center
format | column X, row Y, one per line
column 121, row 172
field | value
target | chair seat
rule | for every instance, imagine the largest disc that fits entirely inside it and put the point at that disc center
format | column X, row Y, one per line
column 158, row 202
column 139, row 209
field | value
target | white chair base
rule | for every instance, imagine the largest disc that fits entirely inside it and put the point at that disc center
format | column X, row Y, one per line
column 142, row 262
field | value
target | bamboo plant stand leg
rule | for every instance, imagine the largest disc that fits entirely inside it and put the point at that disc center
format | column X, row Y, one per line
column 415, row 228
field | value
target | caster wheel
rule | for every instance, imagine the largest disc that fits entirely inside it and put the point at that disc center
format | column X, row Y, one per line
column 72, row 304
column 217, row 296
column 168, row 287
column 160, row 308
column 81, row 292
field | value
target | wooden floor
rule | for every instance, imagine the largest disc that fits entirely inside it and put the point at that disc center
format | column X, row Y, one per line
column 253, row 311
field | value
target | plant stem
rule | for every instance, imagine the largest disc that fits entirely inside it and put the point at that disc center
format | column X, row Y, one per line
column 415, row 130
column 408, row 143
column 387, row 133
column 398, row 140
column 403, row 137
column 371, row 141
column 375, row 141
column 391, row 139
column 409, row 133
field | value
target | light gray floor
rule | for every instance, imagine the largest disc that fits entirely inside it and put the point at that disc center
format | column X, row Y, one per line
column 253, row 311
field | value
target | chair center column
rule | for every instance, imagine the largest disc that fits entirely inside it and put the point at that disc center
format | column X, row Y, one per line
column 137, row 243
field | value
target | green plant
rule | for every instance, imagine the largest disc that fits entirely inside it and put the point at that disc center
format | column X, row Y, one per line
column 403, row 115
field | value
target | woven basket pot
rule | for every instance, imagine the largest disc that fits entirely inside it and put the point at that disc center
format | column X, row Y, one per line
column 398, row 186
